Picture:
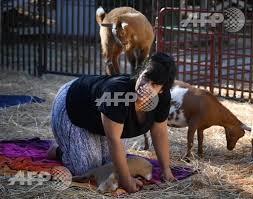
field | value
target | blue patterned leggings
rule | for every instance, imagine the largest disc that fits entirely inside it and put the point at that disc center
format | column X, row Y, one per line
column 81, row 150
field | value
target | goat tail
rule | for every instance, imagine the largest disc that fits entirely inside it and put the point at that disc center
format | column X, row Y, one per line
column 100, row 15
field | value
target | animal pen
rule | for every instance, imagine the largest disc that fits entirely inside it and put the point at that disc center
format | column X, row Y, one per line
column 62, row 37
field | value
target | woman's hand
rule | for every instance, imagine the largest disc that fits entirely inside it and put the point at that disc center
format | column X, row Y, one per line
column 113, row 132
column 160, row 141
column 131, row 185
column 167, row 175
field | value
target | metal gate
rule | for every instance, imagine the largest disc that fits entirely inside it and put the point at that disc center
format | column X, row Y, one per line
column 210, row 51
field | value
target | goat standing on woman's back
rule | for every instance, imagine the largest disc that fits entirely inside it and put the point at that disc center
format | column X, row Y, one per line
column 127, row 29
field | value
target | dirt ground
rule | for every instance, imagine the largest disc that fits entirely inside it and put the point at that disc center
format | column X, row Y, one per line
column 222, row 173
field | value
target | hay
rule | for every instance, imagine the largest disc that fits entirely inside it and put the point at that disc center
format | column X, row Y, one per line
column 223, row 173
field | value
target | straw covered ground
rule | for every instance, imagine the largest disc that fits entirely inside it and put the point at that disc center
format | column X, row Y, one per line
column 222, row 173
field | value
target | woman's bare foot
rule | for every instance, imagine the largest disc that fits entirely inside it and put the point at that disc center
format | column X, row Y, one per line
column 51, row 152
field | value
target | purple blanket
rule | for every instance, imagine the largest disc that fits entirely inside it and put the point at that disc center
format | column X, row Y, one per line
column 179, row 172
column 36, row 149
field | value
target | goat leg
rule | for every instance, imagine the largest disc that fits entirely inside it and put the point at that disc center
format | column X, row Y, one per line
column 136, row 57
column 109, row 185
column 190, row 138
column 200, row 142
column 142, row 56
column 137, row 54
column 112, row 54
column 111, row 68
column 132, row 59
column 115, row 63
column 82, row 178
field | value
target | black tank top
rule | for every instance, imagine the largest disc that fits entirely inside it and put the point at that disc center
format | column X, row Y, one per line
column 84, row 110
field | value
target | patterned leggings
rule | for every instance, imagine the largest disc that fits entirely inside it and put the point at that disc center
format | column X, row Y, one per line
column 81, row 150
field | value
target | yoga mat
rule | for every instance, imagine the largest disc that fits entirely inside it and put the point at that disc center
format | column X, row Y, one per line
column 12, row 100
column 31, row 154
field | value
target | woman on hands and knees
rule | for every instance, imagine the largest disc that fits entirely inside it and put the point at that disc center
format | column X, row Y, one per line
column 91, row 129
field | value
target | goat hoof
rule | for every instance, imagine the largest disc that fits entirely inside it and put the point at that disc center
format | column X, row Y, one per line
column 187, row 158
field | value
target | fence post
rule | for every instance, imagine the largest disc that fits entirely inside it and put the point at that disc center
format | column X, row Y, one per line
column 212, row 63
column 45, row 35
column 40, row 66
column 42, row 48
column 42, row 40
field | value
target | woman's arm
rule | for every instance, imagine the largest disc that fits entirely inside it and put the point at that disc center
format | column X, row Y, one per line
column 160, row 140
column 113, row 131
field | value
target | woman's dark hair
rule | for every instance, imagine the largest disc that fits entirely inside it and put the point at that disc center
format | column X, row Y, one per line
column 160, row 68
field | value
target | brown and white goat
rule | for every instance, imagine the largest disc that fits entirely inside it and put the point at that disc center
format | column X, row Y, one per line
column 107, row 178
column 199, row 109
column 127, row 29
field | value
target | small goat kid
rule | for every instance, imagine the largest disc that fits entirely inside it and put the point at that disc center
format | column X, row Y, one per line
column 107, row 178
column 199, row 109
column 127, row 29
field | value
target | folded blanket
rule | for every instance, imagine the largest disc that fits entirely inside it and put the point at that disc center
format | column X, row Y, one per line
column 12, row 100
column 31, row 154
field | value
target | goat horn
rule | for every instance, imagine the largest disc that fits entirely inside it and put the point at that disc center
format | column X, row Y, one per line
column 108, row 25
column 245, row 127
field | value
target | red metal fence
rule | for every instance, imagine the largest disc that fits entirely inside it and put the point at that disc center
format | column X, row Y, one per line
column 193, row 67
column 210, row 55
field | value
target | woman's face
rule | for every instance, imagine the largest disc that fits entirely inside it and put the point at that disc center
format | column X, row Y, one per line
column 146, row 89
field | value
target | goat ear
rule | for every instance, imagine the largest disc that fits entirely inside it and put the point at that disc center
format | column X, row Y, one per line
column 124, row 25
column 245, row 127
